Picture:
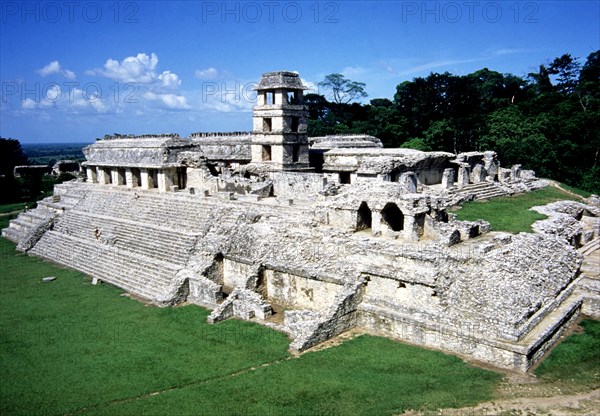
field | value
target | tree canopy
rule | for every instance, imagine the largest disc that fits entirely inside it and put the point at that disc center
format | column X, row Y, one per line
column 549, row 121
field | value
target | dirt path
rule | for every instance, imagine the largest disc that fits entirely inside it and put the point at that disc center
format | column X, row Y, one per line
column 582, row 404
column 573, row 194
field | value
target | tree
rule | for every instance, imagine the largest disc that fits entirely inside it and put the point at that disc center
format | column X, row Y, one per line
column 342, row 89
column 11, row 155
column 567, row 70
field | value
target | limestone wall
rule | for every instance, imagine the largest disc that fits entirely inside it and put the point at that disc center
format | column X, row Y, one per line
column 299, row 292
column 297, row 184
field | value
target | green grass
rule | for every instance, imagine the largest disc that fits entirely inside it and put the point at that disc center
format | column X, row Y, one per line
column 577, row 359
column 580, row 192
column 511, row 213
column 70, row 347
column 6, row 208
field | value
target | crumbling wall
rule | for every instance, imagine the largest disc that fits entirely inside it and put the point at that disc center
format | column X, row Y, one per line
column 294, row 184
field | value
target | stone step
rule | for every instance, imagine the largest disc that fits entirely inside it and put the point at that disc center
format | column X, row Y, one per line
column 132, row 272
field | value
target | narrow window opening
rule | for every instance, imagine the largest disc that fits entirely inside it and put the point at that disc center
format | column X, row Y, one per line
column 269, row 98
column 291, row 97
column 295, row 124
column 266, row 153
column 267, row 124
column 296, row 153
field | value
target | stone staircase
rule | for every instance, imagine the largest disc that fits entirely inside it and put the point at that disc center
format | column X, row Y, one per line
column 47, row 209
column 134, row 272
column 482, row 190
column 589, row 285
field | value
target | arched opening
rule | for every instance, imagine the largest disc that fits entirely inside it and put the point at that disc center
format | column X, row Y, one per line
column 392, row 217
column 363, row 220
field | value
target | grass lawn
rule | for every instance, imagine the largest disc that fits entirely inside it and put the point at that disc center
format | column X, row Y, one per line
column 511, row 213
column 576, row 359
column 6, row 208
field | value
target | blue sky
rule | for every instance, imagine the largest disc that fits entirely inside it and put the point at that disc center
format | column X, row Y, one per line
column 72, row 71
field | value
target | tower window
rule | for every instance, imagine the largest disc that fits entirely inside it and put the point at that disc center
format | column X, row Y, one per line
column 295, row 153
column 269, row 98
column 295, row 124
column 292, row 97
column 267, row 124
column 266, row 153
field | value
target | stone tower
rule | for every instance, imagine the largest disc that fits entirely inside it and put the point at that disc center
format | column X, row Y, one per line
column 279, row 123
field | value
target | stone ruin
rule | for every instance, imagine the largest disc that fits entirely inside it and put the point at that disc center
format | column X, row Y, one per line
column 316, row 236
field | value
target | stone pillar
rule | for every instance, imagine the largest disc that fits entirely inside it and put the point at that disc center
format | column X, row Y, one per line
column 448, row 179
column 117, row 176
column 163, row 181
column 130, row 179
column 411, row 228
column 504, row 175
column 463, row 177
column 491, row 165
column 408, row 180
column 102, row 175
column 478, row 174
column 91, row 174
column 375, row 223
column 147, row 179
column 515, row 173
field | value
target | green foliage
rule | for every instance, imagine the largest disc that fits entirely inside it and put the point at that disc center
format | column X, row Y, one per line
column 416, row 143
column 576, row 359
column 548, row 122
column 342, row 89
column 11, row 155
column 512, row 213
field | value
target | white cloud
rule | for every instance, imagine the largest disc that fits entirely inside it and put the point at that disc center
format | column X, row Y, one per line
column 139, row 68
column 169, row 101
column 208, row 73
column 55, row 68
column 168, row 80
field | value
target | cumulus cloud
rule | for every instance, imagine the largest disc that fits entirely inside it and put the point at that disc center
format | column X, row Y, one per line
column 139, row 68
column 54, row 67
column 168, row 101
column 208, row 73
column 168, row 80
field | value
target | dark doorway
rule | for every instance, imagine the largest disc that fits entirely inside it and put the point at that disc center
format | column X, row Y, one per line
column 363, row 217
column 393, row 217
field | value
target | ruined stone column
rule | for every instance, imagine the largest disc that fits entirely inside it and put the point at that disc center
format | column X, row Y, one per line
column 409, row 232
column 91, row 174
column 375, row 223
column 102, row 176
column 147, row 181
column 163, row 182
column 463, row 177
column 117, row 176
column 448, row 179
column 408, row 180
column 130, row 179
column 515, row 173
column 478, row 174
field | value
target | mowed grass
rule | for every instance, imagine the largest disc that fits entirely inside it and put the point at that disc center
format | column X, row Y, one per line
column 67, row 347
column 576, row 359
column 511, row 213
